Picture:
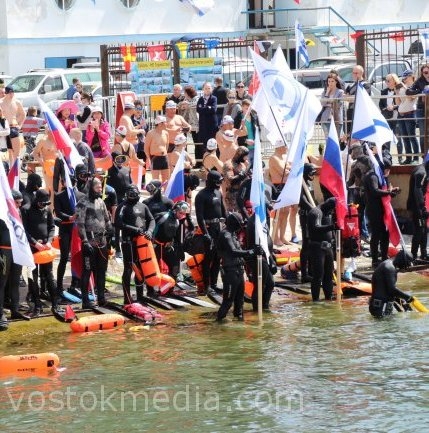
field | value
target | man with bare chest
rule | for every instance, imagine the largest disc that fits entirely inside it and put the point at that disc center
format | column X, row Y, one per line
column 155, row 148
column 175, row 124
column 226, row 138
column 45, row 154
column 15, row 115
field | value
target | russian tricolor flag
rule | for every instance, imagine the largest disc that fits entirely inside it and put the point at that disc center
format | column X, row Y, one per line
column 61, row 138
column 332, row 176
column 176, row 185
column 13, row 175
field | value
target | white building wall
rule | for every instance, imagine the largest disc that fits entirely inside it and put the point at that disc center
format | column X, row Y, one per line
column 36, row 29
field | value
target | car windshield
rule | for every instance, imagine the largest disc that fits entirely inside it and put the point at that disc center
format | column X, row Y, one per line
column 26, row 83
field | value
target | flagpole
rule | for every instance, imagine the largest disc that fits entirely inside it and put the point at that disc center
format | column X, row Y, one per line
column 259, row 270
column 338, row 251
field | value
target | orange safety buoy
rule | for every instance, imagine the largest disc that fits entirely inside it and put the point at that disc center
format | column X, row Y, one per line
column 248, row 288
column 148, row 261
column 103, row 163
column 286, row 256
column 167, row 283
column 56, row 242
column 31, row 363
column 195, row 266
column 292, row 266
column 97, row 322
column 44, row 257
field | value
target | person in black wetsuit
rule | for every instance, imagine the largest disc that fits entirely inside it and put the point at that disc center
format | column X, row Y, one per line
column 232, row 257
column 94, row 227
column 305, row 206
column 66, row 216
column 418, row 185
column 375, row 212
column 39, row 226
column 168, row 236
column 119, row 178
column 133, row 218
column 209, row 210
column 321, row 237
column 34, row 182
column 157, row 202
column 10, row 272
column 383, row 282
column 269, row 267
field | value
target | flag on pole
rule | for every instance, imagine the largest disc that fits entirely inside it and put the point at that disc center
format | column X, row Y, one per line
column 175, row 189
column 332, row 174
column 257, row 197
column 368, row 122
column 21, row 251
column 62, row 140
column 389, row 218
column 424, row 37
column 69, row 186
column 13, row 175
column 301, row 47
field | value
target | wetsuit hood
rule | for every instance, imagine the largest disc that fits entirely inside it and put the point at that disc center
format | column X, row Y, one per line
column 234, row 222
column 402, row 260
column 214, row 179
column 328, row 205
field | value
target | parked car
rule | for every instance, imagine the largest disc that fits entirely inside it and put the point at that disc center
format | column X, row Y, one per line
column 6, row 79
column 93, row 88
column 49, row 84
column 321, row 62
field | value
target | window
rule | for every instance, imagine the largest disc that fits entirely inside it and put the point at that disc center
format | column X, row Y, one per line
column 55, row 82
column 130, row 3
column 65, row 5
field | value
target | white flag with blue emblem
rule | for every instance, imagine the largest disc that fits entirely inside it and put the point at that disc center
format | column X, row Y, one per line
column 301, row 46
column 368, row 122
column 257, row 197
column 424, row 37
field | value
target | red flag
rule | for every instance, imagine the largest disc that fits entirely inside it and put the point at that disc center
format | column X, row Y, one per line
column 390, row 220
column 129, row 56
column 398, row 37
column 297, row 1
column 254, row 82
column 156, row 53
column 356, row 35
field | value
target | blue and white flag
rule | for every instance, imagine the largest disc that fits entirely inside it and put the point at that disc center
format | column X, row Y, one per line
column 291, row 192
column 368, row 122
column 257, row 197
column 301, row 47
column 175, row 189
column 424, row 37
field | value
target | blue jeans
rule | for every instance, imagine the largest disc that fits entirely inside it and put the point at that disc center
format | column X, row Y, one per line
column 407, row 125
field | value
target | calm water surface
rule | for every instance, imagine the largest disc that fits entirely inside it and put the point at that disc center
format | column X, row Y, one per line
column 311, row 368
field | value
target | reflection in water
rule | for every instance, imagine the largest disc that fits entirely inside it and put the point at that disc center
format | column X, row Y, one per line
column 311, row 368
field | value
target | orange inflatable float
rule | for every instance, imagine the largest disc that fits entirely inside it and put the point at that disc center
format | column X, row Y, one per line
column 32, row 363
column 248, row 288
column 44, row 257
column 103, row 163
column 148, row 261
column 56, row 242
column 195, row 266
column 167, row 283
column 97, row 322
column 286, row 256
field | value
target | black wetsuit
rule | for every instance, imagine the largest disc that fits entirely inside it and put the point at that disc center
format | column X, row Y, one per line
column 232, row 257
column 94, row 225
column 133, row 218
column 40, row 227
column 64, row 212
column 384, row 290
column 10, row 273
column 209, row 209
column 375, row 213
column 158, row 203
column 267, row 266
column 321, row 233
column 416, row 205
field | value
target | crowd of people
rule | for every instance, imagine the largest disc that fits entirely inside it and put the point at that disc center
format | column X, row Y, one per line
column 222, row 124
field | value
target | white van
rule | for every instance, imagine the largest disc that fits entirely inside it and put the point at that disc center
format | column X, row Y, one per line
column 49, row 84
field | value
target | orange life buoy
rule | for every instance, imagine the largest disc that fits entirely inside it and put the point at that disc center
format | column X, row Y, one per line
column 195, row 266
column 32, row 363
column 103, row 163
column 97, row 322
column 148, row 261
column 45, row 256
column 56, row 242
column 248, row 288
column 167, row 283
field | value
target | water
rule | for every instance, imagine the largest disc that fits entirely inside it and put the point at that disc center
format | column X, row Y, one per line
column 311, row 368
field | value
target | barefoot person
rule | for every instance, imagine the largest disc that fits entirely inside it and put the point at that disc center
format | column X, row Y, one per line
column 155, row 147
